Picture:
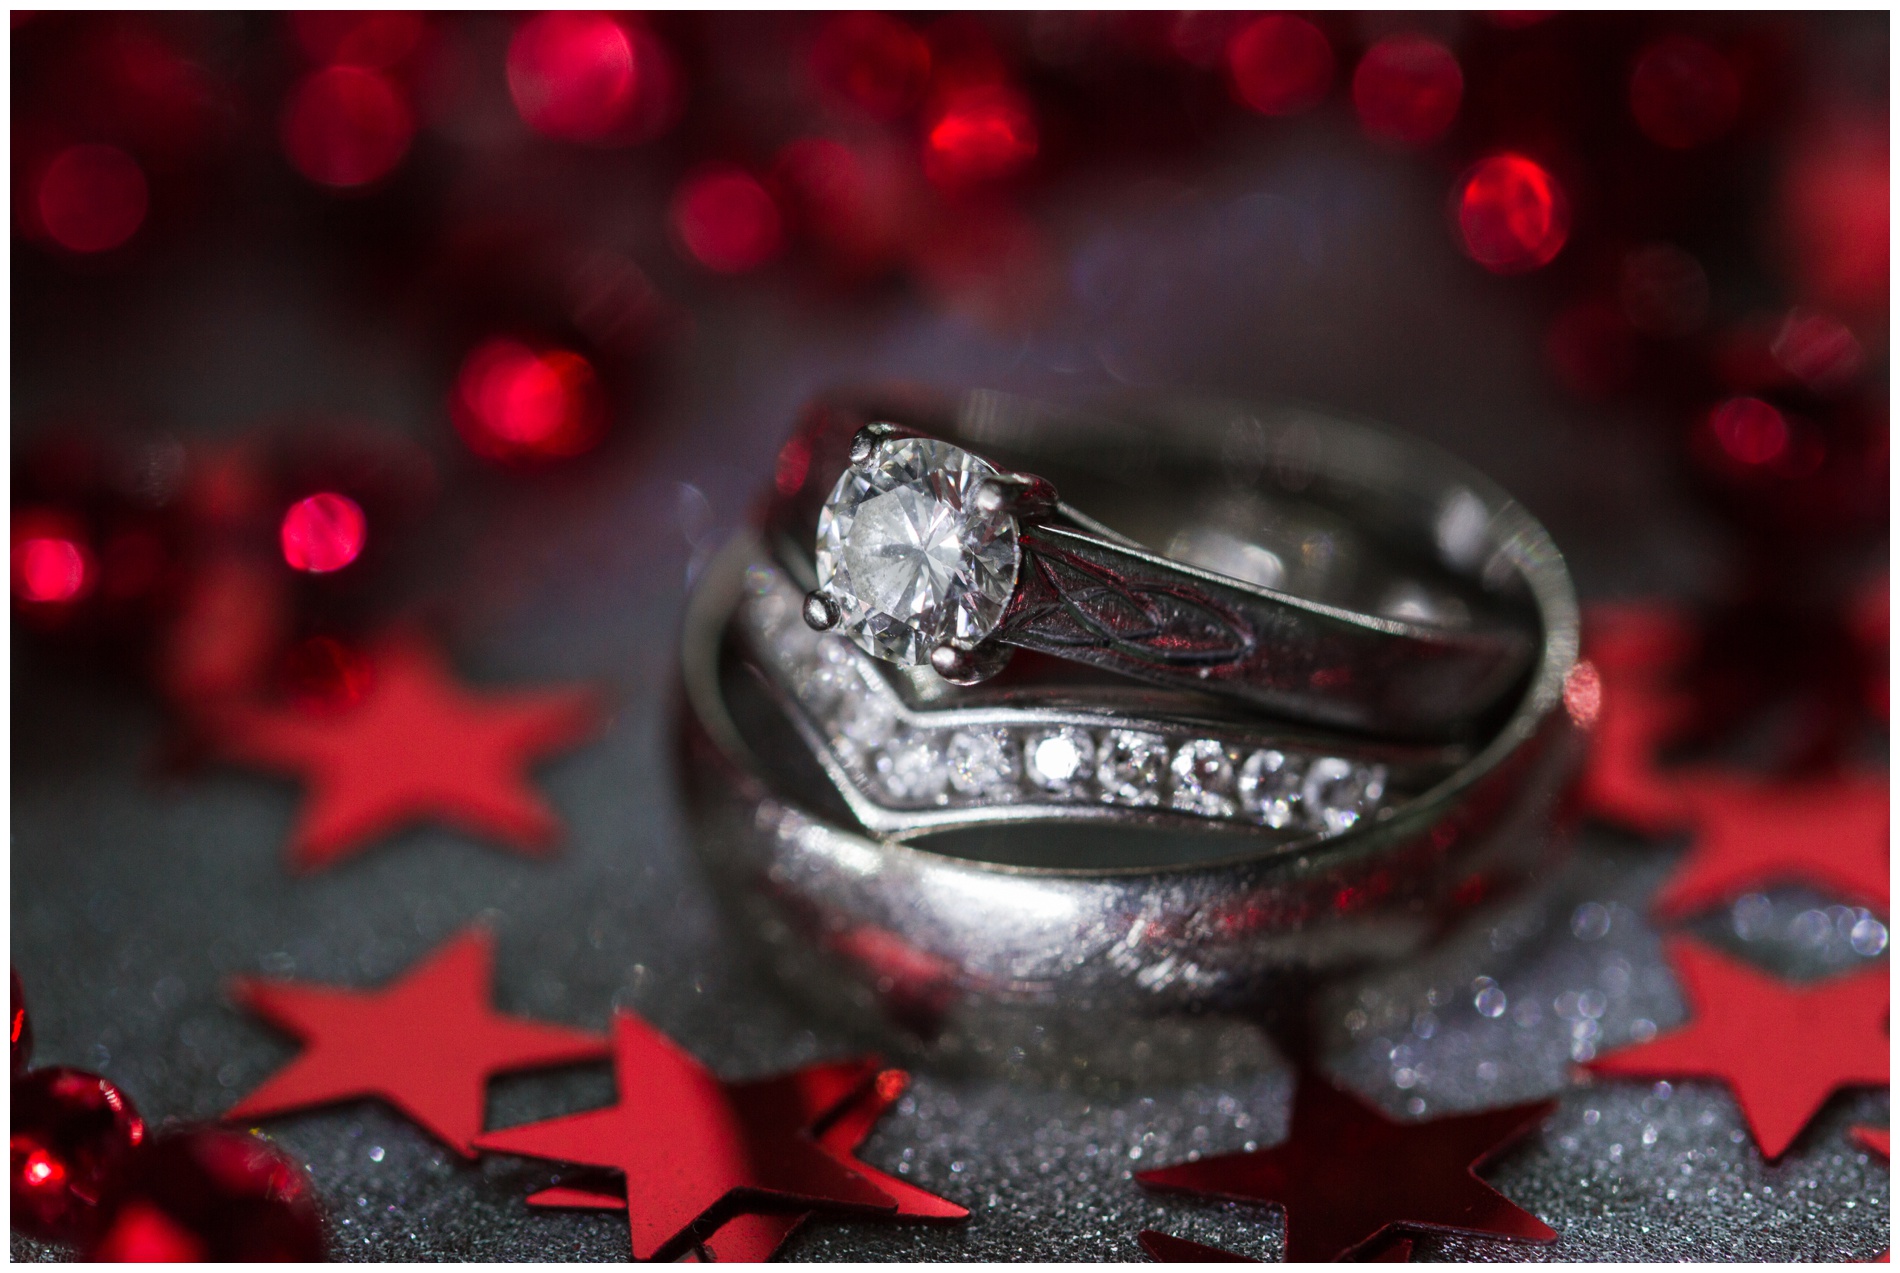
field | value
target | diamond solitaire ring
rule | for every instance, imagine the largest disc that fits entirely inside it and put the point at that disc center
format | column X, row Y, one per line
column 1311, row 569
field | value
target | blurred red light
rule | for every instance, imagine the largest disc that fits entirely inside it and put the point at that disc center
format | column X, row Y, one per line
column 512, row 403
column 871, row 61
column 574, row 76
column 92, row 198
column 1407, row 89
column 1683, row 92
column 321, row 673
column 1512, row 214
column 726, row 220
column 1280, row 64
column 323, row 533
column 1750, row 431
column 346, row 126
column 1817, row 349
column 49, row 570
column 979, row 134
column 341, row 37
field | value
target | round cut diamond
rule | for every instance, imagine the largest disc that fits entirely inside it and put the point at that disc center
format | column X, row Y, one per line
column 1131, row 766
column 981, row 760
column 1059, row 760
column 1270, row 787
column 911, row 768
column 1337, row 793
column 908, row 557
column 1204, row 779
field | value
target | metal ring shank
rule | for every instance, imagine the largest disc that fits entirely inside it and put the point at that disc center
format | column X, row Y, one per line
column 1092, row 596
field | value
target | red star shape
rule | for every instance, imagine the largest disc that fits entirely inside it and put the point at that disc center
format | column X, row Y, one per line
column 417, row 747
column 1163, row 1248
column 839, row 1126
column 1782, row 1049
column 1877, row 1140
column 1830, row 834
column 427, row 1043
column 1349, row 1178
column 692, row 1149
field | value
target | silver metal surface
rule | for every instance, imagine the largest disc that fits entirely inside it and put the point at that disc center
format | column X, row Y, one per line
column 1146, row 951
column 1388, row 662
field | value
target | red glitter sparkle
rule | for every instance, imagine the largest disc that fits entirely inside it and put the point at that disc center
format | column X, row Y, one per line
column 513, row 403
column 1280, row 64
column 871, row 61
column 323, row 533
column 1407, row 89
column 726, row 220
column 50, row 570
column 574, row 76
column 92, row 198
column 345, row 126
column 1512, row 214
column 1683, row 93
column 1750, row 431
column 979, row 134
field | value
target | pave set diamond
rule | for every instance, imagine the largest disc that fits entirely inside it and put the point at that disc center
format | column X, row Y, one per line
column 900, row 760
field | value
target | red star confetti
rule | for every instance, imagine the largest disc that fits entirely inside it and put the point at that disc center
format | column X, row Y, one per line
column 1830, row 834
column 690, row 1146
column 1877, row 1140
column 1622, row 693
column 1163, row 1249
column 1782, row 1049
column 417, row 746
column 427, row 1044
column 1349, row 1179
column 840, row 1128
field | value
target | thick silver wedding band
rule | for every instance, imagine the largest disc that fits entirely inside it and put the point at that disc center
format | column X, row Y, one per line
column 928, row 532
column 1156, row 922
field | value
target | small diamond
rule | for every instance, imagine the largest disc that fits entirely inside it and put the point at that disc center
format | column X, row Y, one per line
column 865, row 719
column 827, row 675
column 981, row 760
column 1337, row 793
column 1131, row 767
column 1059, row 760
column 1270, row 787
column 1203, row 779
column 911, row 769
column 908, row 557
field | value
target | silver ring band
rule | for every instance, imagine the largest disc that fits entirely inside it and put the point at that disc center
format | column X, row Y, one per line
column 927, row 551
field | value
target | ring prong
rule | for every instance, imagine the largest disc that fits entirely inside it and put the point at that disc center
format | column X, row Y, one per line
column 821, row 612
column 971, row 666
column 1016, row 494
column 865, row 440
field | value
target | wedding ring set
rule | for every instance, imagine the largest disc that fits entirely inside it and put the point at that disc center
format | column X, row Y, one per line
column 1033, row 786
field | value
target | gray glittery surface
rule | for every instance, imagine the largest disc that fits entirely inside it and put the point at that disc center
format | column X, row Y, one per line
column 1314, row 269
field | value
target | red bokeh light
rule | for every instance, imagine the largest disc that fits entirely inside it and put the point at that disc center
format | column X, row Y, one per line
column 515, row 404
column 978, row 134
column 1512, row 214
column 852, row 203
column 726, row 220
column 871, row 61
column 323, row 533
column 1407, row 89
column 1750, row 432
column 1683, row 92
column 1280, row 64
column 50, row 570
column 574, row 76
column 1818, row 350
column 92, row 198
column 1833, row 213
column 375, row 40
column 345, row 126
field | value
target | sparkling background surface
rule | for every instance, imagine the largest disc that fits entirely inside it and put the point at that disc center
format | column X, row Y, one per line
column 1313, row 268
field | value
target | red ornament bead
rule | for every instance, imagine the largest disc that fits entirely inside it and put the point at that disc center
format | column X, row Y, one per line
column 1407, row 89
column 21, row 1029
column 726, row 220
column 73, row 1132
column 1683, row 93
column 323, row 533
column 516, row 404
column 1280, row 64
column 872, row 62
column 209, row 1194
column 1512, row 214
column 345, row 127
column 578, row 76
column 1750, row 432
column 980, row 133
column 92, row 198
